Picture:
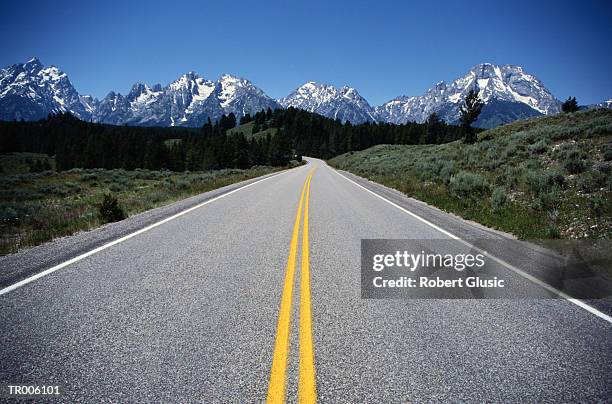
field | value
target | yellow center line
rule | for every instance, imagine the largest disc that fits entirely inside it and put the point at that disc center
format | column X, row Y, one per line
column 276, row 387
column 307, row 391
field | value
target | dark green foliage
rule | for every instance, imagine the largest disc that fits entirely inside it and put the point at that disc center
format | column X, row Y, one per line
column 550, row 200
column 591, row 181
column 110, row 211
column 570, row 105
column 574, row 164
column 434, row 129
column 539, row 147
column 469, row 114
column 607, row 153
column 245, row 119
column 552, row 231
column 597, row 205
column 89, row 145
column 75, row 143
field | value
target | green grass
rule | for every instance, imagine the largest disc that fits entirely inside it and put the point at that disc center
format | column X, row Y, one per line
column 247, row 130
column 37, row 207
column 540, row 178
column 21, row 163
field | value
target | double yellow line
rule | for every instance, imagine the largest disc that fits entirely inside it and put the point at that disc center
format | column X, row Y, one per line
column 307, row 391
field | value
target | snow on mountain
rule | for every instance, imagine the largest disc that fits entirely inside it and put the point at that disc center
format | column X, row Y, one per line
column 188, row 101
column 343, row 103
column 31, row 91
column 508, row 91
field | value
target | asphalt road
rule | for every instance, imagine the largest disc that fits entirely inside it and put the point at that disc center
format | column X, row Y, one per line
column 188, row 311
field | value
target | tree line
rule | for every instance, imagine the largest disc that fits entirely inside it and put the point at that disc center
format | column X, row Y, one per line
column 76, row 143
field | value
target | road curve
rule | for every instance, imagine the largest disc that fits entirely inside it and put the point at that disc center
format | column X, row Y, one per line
column 191, row 311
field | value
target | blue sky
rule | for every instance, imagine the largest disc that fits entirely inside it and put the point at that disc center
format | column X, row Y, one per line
column 382, row 48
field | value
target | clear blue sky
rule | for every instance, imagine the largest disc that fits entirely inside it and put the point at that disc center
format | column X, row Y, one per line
column 382, row 48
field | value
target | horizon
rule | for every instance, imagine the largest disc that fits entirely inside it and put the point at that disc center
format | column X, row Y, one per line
column 382, row 55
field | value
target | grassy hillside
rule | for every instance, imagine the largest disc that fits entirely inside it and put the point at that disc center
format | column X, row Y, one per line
column 548, row 177
column 247, row 130
column 38, row 206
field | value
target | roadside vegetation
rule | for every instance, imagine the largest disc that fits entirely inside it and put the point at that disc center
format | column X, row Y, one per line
column 38, row 203
column 548, row 177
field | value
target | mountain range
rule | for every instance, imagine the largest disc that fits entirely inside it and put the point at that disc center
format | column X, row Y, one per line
column 31, row 91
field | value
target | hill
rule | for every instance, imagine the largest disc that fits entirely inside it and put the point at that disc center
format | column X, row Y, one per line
column 546, row 177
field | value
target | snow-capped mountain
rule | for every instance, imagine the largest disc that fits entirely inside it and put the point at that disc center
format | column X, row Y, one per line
column 31, row 91
column 508, row 91
column 188, row 101
column 343, row 103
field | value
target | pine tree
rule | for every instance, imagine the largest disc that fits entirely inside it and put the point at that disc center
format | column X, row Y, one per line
column 570, row 105
column 469, row 113
column 434, row 129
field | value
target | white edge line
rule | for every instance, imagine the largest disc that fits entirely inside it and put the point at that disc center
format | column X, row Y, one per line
column 511, row 267
column 127, row 237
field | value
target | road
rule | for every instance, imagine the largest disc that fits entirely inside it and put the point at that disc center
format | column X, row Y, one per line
column 213, row 306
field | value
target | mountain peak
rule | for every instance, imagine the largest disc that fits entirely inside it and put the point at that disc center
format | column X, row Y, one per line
column 33, row 65
column 231, row 77
column 343, row 103
column 190, row 75
column 39, row 90
column 508, row 91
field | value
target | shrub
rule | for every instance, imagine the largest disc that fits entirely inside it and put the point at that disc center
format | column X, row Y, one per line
column 574, row 165
column 604, row 167
column 608, row 154
column 447, row 171
column 509, row 151
column 552, row 231
column 535, row 181
column 538, row 147
column 555, row 178
column 110, row 211
column 511, row 176
column 550, row 200
column 571, row 158
column 591, row 181
column 597, row 205
column 182, row 184
column 8, row 214
column 90, row 177
column 540, row 182
column 498, row 199
column 428, row 169
column 466, row 183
